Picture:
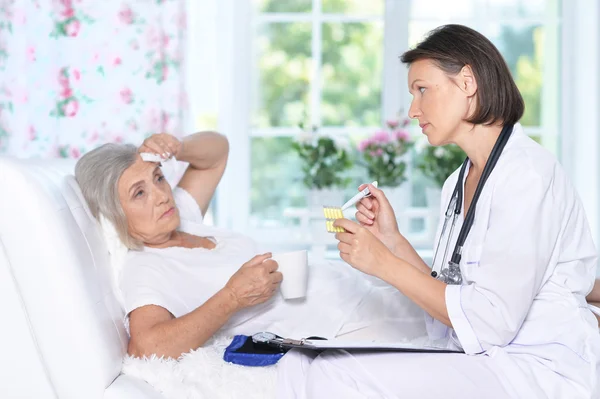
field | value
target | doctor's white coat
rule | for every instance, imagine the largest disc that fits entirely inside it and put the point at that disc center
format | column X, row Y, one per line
column 527, row 265
column 520, row 313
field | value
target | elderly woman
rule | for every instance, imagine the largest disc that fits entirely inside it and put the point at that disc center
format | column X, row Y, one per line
column 183, row 281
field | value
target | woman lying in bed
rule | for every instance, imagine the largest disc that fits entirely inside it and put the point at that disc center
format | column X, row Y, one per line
column 183, row 281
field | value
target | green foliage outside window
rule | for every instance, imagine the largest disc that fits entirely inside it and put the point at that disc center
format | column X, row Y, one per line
column 351, row 84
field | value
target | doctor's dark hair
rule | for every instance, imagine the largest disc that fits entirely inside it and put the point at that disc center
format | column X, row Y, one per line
column 451, row 47
column 97, row 174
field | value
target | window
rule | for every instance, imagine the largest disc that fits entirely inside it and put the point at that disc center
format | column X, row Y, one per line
column 317, row 63
column 334, row 64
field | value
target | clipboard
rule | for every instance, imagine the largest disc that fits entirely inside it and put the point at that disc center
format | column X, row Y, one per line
column 321, row 344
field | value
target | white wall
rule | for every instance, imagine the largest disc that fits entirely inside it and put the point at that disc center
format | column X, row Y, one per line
column 581, row 104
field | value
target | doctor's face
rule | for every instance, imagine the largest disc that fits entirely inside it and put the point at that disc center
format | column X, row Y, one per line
column 441, row 103
column 148, row 203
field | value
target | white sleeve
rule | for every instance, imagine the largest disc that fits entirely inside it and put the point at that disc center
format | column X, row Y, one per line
column 187, row 205
column 521, row 240
column 143, row 284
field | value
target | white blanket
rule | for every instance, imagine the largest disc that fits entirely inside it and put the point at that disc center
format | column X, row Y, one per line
column 203, row 374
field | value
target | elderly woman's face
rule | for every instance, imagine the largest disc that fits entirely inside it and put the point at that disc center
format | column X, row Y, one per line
column 148, row 203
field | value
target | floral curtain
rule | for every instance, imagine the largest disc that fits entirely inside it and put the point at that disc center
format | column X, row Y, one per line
column 75, row 74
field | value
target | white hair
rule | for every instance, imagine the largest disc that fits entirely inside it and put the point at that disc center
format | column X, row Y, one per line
column 98, row 173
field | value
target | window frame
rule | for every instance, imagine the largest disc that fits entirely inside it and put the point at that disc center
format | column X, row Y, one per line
column 235, row 94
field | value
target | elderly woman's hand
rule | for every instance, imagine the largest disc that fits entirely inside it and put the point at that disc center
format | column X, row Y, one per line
column 255, row 282
column 361, row 249
column 163, row 144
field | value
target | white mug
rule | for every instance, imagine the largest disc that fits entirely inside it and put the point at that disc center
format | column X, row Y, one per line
column 294, row 267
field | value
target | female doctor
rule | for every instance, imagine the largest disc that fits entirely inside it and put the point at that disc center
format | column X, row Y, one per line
column 514, row 259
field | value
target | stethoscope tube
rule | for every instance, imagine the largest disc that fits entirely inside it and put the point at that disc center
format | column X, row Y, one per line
column 457, row 200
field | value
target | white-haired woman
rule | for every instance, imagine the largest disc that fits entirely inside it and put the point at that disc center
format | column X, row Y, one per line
column 183, row 281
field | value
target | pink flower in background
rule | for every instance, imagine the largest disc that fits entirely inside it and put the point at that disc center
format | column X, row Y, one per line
column 118, row 139
column 133, row 125
column 68, row 13
column 32, row 133
column 76, row 74
column 363, row 145
column 72, row 28
column 401, row 134
column 66, row 92
column 165, row 71
column 75, row 153
column 94, row 137
column 165, row 40
column 392, row 123
column 63, row 78
column 381, row 137
column 126, row 95
column 117, row 61
column 70, row 107
column 126, row 16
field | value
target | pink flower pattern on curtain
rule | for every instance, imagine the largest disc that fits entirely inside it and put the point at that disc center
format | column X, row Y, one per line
column 75, row 74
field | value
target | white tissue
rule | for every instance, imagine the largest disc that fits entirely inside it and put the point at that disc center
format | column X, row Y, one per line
column 149, row 157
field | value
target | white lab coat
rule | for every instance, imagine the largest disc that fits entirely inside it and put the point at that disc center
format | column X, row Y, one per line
column 520, row 314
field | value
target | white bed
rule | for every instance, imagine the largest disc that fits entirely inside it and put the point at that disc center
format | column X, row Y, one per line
column 67, row 338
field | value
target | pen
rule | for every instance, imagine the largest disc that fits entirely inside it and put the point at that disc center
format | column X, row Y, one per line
column 360, row 195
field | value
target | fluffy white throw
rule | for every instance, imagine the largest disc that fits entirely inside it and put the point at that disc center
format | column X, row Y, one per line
column 203, row 374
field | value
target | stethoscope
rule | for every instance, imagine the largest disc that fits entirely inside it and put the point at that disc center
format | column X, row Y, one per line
column 451, row 273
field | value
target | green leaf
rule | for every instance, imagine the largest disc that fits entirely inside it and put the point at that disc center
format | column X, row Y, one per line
column 86, row 18
column 63, row 151
column 100, row 70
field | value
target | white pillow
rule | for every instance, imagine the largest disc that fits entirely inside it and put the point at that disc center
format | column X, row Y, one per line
column 118, row 252
column 116, row 249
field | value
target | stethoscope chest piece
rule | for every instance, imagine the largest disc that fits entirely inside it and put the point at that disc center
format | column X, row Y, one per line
column 451, row 274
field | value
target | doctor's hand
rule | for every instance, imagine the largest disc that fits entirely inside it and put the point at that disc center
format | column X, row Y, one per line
column 255, row 282
column 163, row 144
column 361, row 249
column 375, row 214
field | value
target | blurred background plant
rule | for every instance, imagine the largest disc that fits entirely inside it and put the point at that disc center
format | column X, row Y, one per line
column 383, row 153
column 437, row 163
column 325, row 161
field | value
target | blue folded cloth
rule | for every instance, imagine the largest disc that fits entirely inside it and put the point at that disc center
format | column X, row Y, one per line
column 245, row 352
